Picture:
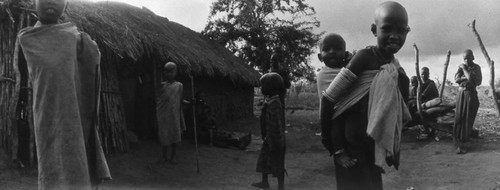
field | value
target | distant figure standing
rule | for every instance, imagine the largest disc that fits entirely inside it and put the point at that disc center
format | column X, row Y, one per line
column 276, row 67
column 272, row 125
column 468, row 77
column 169, row 113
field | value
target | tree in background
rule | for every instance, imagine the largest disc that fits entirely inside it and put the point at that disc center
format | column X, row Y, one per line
column 255, row 29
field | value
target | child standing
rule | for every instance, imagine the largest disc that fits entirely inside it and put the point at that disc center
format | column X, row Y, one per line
column 63, row 66
column 468, row 77
column 369, row 94
column 169, row 113
column 272, row 156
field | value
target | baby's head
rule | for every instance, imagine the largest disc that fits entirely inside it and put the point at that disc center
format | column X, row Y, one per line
column 170, row 71
column 272, row 84
column 49, row 11
column 391, row 27
column 332, row 51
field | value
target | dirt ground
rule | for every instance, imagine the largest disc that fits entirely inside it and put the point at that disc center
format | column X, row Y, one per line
column 424, row 165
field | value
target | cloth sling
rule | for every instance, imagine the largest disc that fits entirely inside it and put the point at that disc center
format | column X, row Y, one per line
column 387, row 113
column 62, row 64
column 324, row 77
column 354, row 93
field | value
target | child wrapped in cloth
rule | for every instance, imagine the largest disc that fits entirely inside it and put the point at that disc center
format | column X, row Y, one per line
column 63, row 65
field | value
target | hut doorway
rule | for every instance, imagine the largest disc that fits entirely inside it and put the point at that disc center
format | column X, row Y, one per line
column 137, row 86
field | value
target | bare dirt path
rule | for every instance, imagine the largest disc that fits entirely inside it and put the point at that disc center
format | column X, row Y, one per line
column 425, row 165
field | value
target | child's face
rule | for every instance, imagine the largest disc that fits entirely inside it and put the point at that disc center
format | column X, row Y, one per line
column 49, row 11
column 468, row 57
column 424, row 74
column 391, row 28
column 332, row 51
column 414, row 81
column 170, row 72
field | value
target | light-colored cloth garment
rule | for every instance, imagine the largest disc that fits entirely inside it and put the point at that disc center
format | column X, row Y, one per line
column 169, row 113
column 355, row 93
column 324, row 77
column 62, row 64
column 387, row 113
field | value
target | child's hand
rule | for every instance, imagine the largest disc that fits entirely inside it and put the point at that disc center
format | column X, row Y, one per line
column 345, row 160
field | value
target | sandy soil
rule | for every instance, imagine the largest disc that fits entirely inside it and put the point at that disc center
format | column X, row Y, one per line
column 425, row 165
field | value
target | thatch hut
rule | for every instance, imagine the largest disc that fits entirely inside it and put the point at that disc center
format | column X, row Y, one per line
column 134, row 44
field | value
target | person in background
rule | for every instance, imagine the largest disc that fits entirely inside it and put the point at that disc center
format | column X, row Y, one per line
column 169, row 113
column 272, row 123
column 468, row 78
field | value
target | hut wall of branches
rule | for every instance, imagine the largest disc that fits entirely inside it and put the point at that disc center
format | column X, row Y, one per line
column 134, row 43
column 16, row 137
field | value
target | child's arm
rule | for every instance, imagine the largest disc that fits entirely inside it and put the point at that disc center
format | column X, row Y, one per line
column 361, row 61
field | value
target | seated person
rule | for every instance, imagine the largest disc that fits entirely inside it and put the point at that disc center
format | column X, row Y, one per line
column 429, row 92
column 205, row 120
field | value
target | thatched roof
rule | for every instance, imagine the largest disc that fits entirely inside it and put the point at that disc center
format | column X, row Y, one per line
column 131, row 31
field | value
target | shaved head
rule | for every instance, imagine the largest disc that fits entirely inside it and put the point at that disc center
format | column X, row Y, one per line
column 468, row 54
column 391, row 10
column 332, row 38
column 170, row 66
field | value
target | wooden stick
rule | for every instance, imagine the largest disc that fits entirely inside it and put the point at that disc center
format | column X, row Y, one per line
column 419, row 87
column 194, row 125
column 444, row 75
column 491, row 65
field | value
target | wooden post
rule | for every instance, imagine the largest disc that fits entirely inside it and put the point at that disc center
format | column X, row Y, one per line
column 444, row 75
column 419, row 87
column 491, row 65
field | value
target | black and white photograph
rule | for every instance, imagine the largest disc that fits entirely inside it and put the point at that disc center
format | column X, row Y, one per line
column 249, row 94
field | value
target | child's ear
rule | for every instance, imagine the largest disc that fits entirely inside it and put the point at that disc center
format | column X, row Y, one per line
column 374, row 29
column 320, row 57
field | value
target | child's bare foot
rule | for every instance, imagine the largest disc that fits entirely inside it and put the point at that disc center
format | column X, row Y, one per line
column 261, row 185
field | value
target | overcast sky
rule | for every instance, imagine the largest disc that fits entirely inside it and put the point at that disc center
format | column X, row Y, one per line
column 436, row 26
